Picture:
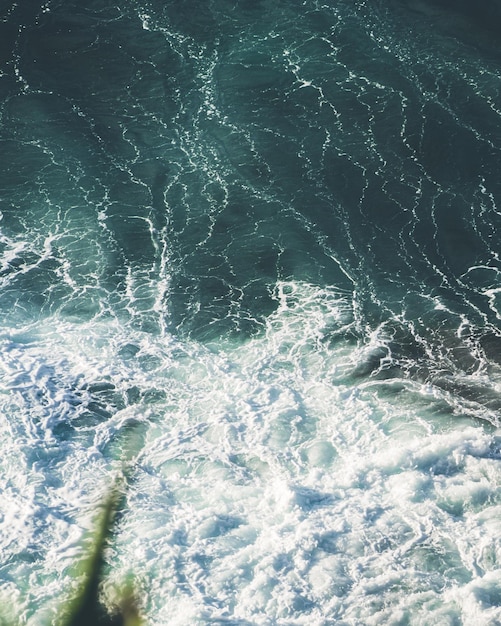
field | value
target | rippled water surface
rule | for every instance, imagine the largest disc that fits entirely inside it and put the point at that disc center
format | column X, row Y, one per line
column 251, row 249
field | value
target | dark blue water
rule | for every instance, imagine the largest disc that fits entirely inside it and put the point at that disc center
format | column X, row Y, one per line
column 266, row 232
column 230, row 146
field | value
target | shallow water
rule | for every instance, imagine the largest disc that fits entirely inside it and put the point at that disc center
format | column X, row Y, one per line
column 250, row 249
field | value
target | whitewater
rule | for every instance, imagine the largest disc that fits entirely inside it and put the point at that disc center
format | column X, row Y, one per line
column 249, row 266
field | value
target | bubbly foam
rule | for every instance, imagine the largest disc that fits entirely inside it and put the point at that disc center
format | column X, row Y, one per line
column 265, row 487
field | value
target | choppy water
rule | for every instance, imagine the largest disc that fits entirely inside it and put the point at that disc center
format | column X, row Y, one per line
column 252, row 248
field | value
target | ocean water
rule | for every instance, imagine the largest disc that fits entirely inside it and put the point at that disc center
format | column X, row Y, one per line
column 249, row 252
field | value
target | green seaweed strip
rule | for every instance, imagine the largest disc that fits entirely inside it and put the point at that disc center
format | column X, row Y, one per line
column 85, row 608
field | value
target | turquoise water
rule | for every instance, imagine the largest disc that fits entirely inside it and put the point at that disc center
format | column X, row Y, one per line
column 251, row 249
